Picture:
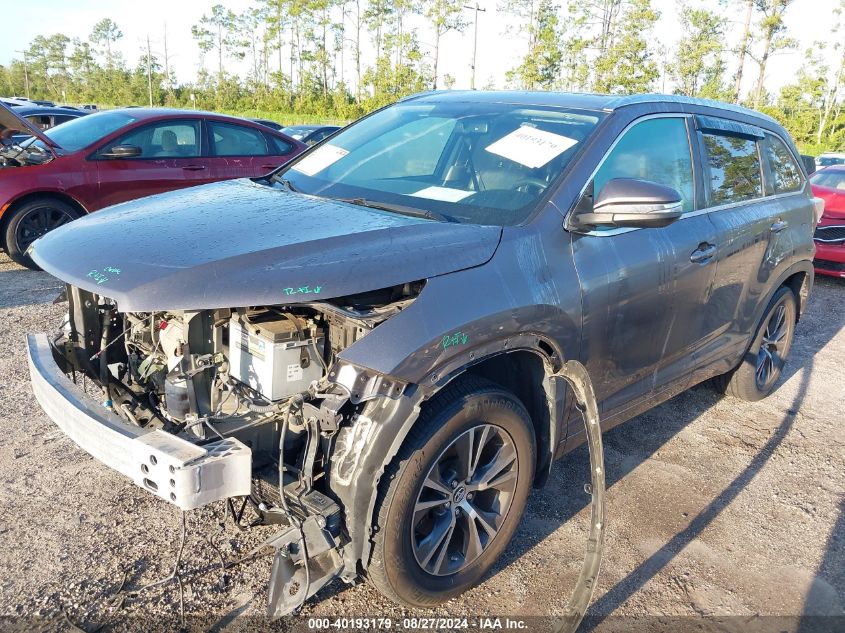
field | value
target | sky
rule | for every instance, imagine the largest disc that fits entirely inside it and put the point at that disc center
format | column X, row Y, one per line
column 497, row 52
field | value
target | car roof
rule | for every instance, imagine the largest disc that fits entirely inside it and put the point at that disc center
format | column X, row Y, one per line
column 832, row 155
column 579, row 100
column 151, row 113
column 28, row 110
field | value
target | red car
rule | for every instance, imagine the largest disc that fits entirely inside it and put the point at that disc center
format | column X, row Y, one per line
column 109, row 157
column 829, row 185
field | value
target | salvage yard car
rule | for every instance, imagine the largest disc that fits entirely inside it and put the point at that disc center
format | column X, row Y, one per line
column 365, row 347
column 98, row 160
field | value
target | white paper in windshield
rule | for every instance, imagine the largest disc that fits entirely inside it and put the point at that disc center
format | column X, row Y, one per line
column 319, row 159
column 446, row 194
column 531, row 147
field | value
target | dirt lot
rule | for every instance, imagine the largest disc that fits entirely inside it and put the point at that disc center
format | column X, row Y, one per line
column 716, row 508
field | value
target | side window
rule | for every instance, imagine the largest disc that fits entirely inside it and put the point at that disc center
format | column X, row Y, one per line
column 165, row 139
column 236, row 140
column 40, row 121
column 786, row 176
column 656, row 150
column 278, row 147
column 733, row 166
column 62, row 118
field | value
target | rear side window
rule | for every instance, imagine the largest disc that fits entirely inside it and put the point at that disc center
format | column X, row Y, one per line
column 733, row 166
column 786, row 176
column 237, row 140
column 657, row 150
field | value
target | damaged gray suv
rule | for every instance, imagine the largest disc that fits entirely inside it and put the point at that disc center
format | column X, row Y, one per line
column 365, row 346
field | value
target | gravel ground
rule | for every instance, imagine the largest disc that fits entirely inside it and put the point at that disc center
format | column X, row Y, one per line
column 716, row 508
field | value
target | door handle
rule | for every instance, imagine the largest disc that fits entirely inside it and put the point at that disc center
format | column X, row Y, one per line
column 778, row 226
column 703, row 253
column 194, row 167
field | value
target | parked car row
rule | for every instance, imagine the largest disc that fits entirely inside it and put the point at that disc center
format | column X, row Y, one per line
column 58, row 164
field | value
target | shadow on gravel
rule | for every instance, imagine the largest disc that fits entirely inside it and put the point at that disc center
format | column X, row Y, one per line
column 22, row 287
column 824, row 597
column 624, row 589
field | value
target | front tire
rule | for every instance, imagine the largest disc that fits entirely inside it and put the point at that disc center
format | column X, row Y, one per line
column 452, row 498
column 32, row 220
column 761, row 367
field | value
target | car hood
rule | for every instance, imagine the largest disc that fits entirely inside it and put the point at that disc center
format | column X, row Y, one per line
column 11, row 121
column 240, row 243
column 834, row 202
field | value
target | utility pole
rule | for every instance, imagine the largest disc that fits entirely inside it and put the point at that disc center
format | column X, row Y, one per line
column 25, row 72
column 149, row 71
column 166, row 67
column 476, row 8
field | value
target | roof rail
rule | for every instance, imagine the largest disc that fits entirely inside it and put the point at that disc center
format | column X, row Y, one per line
column 662, row 98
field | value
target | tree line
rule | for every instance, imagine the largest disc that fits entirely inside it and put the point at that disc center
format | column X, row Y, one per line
column 338, row 59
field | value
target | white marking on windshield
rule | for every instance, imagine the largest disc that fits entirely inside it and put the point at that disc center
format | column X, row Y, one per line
column 530, row 146
column 446, row 194
column 319, row 159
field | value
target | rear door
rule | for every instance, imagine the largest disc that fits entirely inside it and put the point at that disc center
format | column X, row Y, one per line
column 240, row 151
column 172, row 157
column 754, row 197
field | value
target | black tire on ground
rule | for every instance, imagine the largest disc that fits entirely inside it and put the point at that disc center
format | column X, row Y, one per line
column 471, row 417
column 760, row 369
column 30, row 221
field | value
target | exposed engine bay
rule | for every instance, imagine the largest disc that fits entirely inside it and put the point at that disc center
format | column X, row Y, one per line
column 261, row 375
column 18, row 155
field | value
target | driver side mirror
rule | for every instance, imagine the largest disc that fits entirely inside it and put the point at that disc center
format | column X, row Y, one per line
column 122, row 151
column 630, row 202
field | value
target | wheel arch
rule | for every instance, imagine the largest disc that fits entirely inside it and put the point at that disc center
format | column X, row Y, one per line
column 800, row 282
column 364, row 449
column 15, row 203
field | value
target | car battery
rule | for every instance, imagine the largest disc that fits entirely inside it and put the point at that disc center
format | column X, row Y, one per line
column 275, row 356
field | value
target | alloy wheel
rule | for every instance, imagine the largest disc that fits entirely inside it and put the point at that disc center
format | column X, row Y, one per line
column 38, row 222
column 464, row 500
column 773, row 347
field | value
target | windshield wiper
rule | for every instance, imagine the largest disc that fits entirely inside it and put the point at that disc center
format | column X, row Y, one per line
column 398, row 208
column 284, row 182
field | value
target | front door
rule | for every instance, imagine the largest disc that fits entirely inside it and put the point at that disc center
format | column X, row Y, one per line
column 171, row 158
column 644, row 290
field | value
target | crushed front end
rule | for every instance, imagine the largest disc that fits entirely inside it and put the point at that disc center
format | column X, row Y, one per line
column 242, row 405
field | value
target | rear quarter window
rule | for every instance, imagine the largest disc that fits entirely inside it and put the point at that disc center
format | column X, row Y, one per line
column 786, row 176
column 733, row 168
column 279, row 147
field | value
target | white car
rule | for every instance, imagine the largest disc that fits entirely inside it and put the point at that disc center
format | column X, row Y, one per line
column 830, row 158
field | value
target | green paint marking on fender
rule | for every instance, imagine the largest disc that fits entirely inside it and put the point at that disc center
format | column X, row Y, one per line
column 102, row 276
column 458, row 338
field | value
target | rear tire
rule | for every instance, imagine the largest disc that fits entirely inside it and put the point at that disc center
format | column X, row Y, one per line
column 439, row 525
column 761, row 367
column 30, row 221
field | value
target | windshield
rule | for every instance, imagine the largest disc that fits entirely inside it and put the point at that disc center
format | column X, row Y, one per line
column 482, row 163
column 830, row 178
column 82, row 132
